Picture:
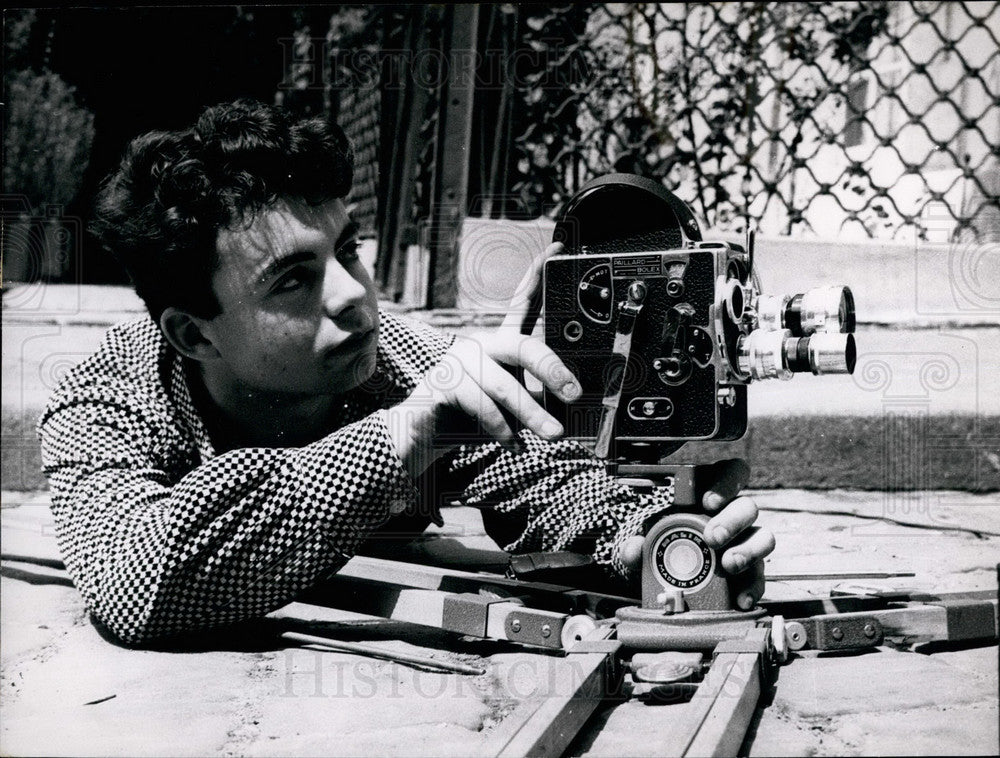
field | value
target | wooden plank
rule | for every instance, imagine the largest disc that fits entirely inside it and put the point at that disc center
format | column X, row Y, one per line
column 553, row 597
column 726, row 723
column 444, row 610
column 918, row 622
column 582, row 682
column 716, row 719
column 792, row 609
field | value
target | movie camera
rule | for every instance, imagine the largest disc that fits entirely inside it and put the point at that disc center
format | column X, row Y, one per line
column 665, row 331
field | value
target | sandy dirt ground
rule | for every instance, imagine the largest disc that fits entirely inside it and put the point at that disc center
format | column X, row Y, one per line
column 67, row 691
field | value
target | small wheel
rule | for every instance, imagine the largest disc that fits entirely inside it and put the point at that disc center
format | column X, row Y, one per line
column 778, row 640
column 575, row 629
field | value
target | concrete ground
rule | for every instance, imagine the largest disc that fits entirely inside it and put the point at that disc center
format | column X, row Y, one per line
column 68, row 691
column 894, row 469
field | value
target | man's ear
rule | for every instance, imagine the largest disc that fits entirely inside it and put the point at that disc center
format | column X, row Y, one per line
column 187, row 335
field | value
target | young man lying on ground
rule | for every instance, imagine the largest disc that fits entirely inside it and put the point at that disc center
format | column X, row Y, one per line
column 213, row 461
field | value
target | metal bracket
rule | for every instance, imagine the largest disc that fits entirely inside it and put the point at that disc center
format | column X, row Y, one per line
column 468, row 613
column 842, row 631
column 533, row 627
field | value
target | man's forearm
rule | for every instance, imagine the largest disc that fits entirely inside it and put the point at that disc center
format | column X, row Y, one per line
column 236, row 537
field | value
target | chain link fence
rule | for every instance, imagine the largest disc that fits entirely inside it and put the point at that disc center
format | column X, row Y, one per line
column 848, row 120
column 870, row 119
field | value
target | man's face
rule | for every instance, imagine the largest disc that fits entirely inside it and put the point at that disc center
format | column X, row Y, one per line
column 299, row 313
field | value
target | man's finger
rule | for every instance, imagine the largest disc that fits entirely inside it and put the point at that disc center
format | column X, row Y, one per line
column 526, row 303
column 754, row 544
column 631, row 553
column 510, row 396
column 727, row 479
column 470, row 398
column 735, row 517
column 749, row 586
column 540, row 361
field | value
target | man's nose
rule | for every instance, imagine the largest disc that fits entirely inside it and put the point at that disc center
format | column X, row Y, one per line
column 342, row 293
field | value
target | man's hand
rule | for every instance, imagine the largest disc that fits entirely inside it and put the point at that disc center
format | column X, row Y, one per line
column 732, row 530
column 469, row 396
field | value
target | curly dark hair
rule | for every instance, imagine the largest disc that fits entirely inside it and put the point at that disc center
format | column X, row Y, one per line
column 161, row 211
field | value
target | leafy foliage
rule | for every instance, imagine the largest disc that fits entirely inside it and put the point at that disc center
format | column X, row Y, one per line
column 48, row 138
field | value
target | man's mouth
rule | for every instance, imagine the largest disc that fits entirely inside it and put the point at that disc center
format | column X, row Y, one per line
column 352, row 344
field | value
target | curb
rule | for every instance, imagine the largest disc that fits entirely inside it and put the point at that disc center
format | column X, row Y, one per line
column 891, row 453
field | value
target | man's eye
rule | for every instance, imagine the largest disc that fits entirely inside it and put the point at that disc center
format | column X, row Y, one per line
column 293, row 280
column 349, row 251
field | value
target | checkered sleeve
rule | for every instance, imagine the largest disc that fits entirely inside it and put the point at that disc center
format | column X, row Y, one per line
column 155, row 553
column 570, row 501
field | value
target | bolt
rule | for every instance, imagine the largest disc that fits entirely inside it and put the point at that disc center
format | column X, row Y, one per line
column 869, row 630
column 836, row 633
column 658, row 364
column 649, row 408
column 546, row 630
column 516, row 625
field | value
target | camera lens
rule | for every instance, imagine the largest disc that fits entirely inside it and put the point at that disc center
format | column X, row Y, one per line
column 819, row 310
column 761, row 354
column 778, row 354
column 823, row 309
column 821, row 353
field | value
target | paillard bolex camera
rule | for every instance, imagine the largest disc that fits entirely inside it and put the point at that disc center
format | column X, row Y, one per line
column 665, row 331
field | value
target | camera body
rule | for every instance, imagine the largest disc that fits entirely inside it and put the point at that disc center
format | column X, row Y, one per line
column 676, row 382
column 665, row 330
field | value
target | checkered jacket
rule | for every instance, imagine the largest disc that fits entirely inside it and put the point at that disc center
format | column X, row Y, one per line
column 163, row 534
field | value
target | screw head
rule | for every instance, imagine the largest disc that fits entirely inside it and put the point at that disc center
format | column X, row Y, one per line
column 546, row 630
column 837, row 633
column 516, row 625
column 869, row 630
